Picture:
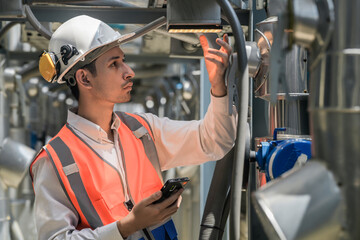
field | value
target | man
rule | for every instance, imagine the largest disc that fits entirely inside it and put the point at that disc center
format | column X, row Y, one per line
column 98, row 178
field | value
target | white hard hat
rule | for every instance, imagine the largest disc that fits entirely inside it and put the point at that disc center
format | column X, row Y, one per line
column 79, row 41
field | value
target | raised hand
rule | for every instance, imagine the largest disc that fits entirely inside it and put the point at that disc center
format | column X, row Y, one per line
column 216, row 63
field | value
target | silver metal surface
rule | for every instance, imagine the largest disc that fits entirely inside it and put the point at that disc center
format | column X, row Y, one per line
column 302, row 204
column 294, row 73
column 15, row 159
column 275, row 7
column 305, row 21
column 4, row 111
column 335, row 109
column 4, row 213
column 291, row 114
column 188, row 12
column 11, row 9
column 51, row 13
column 243, row 4
column 260, row 4
column 254, row 59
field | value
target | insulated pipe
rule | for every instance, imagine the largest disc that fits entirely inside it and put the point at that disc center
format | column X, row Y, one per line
column 236, row 185
column 36, row 24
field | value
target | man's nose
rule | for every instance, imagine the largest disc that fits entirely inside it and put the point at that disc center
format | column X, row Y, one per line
column 129, row 74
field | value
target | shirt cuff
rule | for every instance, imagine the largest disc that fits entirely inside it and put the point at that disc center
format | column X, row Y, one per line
column 110, row 232
column 220, row 104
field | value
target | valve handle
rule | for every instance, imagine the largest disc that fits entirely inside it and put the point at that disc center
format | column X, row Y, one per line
column 276, row 130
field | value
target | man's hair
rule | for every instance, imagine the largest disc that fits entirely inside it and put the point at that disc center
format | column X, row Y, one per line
column 75, row 89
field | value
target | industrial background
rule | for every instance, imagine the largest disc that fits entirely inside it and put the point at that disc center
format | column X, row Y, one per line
column 294, row 172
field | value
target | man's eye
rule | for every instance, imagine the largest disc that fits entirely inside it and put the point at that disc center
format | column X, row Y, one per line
column 113, row 64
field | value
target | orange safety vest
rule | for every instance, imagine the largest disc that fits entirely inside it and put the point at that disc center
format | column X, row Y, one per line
column 94, row 186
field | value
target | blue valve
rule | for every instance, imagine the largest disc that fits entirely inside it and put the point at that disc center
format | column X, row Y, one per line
column 275, row 157
column 276, row 130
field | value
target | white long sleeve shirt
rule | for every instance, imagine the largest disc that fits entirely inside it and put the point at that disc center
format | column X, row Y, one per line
column 178, row 143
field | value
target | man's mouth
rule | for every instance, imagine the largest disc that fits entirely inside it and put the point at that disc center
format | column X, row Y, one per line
column 129, row 85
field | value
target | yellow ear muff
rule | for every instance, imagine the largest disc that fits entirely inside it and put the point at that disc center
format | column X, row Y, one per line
column 47, row 66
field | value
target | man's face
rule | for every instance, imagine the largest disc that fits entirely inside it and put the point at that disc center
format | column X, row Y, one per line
column 112, row 82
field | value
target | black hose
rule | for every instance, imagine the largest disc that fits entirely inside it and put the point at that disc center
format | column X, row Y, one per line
column 217, row 204
column 6, row 28
column 36, row 24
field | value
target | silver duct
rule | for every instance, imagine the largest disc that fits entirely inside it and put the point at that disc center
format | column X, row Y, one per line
column 335, row 109
column 4, row 131
column 290, row 108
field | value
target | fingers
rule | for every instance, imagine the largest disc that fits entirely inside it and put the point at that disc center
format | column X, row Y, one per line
column 224, row 56
column 169, row 201
column 152, row 198
column 204, row 43
column 225, row 47
column 217, row 62
column 172, row 209
column 224, row 52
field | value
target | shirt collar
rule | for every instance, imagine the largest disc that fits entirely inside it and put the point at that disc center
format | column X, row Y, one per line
column 90, row 129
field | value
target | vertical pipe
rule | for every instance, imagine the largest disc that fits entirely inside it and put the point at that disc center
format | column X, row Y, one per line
column 4, row 131
column 335, row 110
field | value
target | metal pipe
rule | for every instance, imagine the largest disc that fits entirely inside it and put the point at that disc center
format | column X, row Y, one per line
column 109, row 3
column 243, row 90
column 335, row 109
column 242, row 128
column 6, row 28
column 36, row 24
column 148, row 28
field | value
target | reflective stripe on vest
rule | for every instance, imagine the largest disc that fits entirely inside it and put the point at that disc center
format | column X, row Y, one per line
column 94, row 186
column 68, row 162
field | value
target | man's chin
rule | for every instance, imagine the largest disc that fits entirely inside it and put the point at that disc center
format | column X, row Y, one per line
column 125, row 99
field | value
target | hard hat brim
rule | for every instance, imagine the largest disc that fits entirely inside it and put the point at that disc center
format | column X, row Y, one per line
column 91, row 55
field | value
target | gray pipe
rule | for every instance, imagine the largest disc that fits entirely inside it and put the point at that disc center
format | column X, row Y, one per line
column 6, row 28
column 243, row 90
column 148, row 28
column 237, row 175
column 36, row 24
column 335, row 109
column 111, row 3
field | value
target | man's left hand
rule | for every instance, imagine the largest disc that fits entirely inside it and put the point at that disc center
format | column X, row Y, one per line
column 217, row 62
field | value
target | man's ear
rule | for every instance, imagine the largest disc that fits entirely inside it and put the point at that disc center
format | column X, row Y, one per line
column 82, row 78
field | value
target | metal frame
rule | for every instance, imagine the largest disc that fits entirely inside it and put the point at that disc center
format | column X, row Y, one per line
column 53, row 13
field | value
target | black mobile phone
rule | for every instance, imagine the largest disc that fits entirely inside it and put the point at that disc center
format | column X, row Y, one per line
column 171, row 186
